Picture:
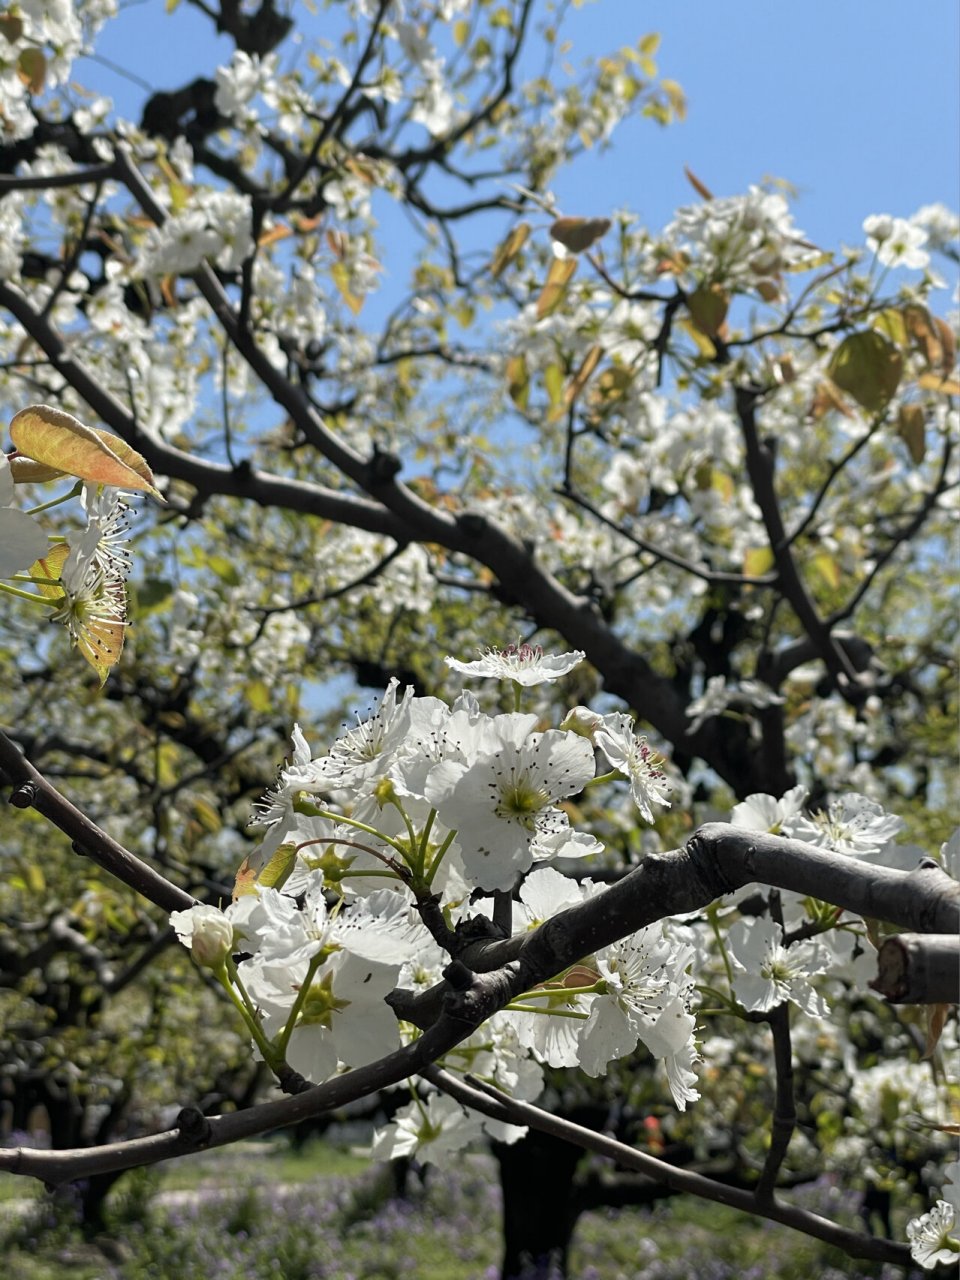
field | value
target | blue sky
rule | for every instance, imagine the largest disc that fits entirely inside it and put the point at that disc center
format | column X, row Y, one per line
column 855, row 103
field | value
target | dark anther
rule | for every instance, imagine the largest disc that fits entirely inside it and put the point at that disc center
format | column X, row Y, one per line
column 24, row 795
column 194, row 1126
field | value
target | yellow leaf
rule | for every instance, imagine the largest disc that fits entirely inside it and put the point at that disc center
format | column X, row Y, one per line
column 702, row 342
column 58, row 439
column 50, row 566
column 518, row 381
column 826, row 566
column 558, row 277
column 699, row 187
column 867, row 366
column 258, row 695
column 509, row 249
column 933, row 382
column 341, row 278
column 582, row 376
column 279, row 232
column 32, row 69
column 890, row 322
column 723, row 484
column 649, row 44
column 461, row 32
column 757, row 561
column 578, row 234
column 911, row 428
column 553, row 380
column 206, row 814
column 708, row 306
column 271, row 872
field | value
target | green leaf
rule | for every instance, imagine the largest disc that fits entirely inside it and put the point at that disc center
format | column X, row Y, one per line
column 868, row 367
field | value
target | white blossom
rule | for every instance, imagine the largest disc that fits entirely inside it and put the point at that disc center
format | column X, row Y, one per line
column 525, row 664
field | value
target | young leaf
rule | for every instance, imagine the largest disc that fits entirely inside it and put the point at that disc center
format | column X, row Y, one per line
column 558, row 277
column 59, row 440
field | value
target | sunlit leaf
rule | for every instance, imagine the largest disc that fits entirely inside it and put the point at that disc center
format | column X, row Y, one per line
column 758, row 561
column 58, row 439
column 518, row 381
column 708, row 306
column 32, row 69
column 509, row 249
column 341, row 278
column 578, row 234
column 911, row 428
column 825, row 564
column 582, row 376
column 868, row 367
column 933, row 382
column 558, row 277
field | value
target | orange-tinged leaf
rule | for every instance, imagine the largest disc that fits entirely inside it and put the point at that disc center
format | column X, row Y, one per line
column 100, row 643
column 948, row 343
column 923, row 333
column 271, row 872
column 509, row 248
column 911, row 428
column 933, row 382
column 827, row 397
column 708, row 306
column 50, row 566
column 26, row 471
column 280, row 232
column 58, row 439
column 582, row 376
column 699, row 187
column 577, row 234
column 868, row 367
column 558, row 277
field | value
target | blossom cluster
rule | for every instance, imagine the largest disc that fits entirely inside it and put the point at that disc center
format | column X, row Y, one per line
column 424, row 800
column 426, row 805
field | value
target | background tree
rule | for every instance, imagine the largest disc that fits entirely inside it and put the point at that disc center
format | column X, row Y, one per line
column 717, row 459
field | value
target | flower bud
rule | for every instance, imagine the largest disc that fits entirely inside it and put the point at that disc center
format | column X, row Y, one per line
column 206, row 932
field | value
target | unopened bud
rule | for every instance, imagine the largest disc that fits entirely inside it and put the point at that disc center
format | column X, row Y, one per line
column 206, row 932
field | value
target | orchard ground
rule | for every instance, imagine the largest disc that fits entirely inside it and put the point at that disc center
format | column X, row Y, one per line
column 261, row 1211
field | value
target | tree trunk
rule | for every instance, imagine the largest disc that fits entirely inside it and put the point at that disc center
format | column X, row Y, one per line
column 536, row 1175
